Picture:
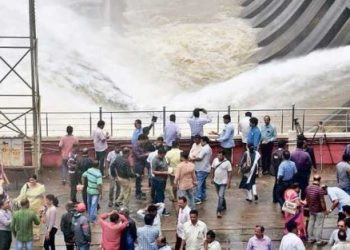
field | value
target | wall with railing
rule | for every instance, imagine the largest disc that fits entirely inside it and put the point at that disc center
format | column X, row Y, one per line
column 119, row 124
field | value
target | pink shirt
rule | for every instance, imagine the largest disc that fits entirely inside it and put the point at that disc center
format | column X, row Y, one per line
column 185, row 175
column 66, row 145
column 111, row 232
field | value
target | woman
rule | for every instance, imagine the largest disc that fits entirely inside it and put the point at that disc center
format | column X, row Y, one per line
column 5, row 223
column 249, row 167
column 34, row 192
column 50, row 222
column 292, row 195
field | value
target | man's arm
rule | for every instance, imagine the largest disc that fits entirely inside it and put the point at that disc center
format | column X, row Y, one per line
column 226, row 136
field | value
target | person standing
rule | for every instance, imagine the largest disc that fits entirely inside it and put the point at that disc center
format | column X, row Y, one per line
column 139, row 131
column 182, row 217
column 66, row 226
column 317, row 209
column 81, row 228
column 268, row 137
column 254, row 134
column 94, row 190
column 22, row 226
column 259, row 241
column 196, row 123
column 100, row 143
column 291, row 240
column 65, row 145
column 72, row 171
column 140, row 156
column 112, row 231
column 129, row 235
column 343, row 174
column 277, row 158
column 171, row 132
column 195, row 232
column 114, row 185
column 244, row 127
column 185, row 179
column 50, row 222
column 202, row 164
column 210, row 242
column 173, row 157
column 195, row 148
column 148, row 234
column 5, row 225
column 226, row 137
column 221, row 174
column 83, row 164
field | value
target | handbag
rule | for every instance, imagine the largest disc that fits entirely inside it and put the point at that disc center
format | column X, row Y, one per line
column 289, row 207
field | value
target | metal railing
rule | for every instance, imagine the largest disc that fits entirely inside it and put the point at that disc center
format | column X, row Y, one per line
column 119, row 124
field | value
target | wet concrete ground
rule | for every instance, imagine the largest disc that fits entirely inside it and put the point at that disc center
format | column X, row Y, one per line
column 233, row 229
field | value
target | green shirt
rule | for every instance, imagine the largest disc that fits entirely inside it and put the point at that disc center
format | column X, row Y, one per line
column 22, row 224
column 94, row 178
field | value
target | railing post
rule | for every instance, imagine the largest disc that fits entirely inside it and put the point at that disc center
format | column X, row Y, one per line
column 164, row 118
column 238, row 120
column 293, row 115
column 218, row 123
column 303, row 120
column 282, row 122
column 111, row 124
column 229, row 109
column 100, row 113
column 90, row 123
column 25, row 125
column 347, row 122
column 153, row 133
column 47, row 125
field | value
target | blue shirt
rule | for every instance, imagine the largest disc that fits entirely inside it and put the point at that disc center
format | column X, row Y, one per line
column 147, row 236
column 287, row 169
column 197, row 123
column 254, row 137
column 135, row 135
column 268, row 133
column 226, row 136
column 171, row 133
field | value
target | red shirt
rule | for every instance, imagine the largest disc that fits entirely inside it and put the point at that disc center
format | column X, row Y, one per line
column 314, row 194
column 111, row 232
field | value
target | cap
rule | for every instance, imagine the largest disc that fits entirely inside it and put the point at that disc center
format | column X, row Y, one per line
column 80, row 207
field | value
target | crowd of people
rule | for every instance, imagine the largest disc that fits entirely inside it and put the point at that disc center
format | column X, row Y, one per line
column 182, row 174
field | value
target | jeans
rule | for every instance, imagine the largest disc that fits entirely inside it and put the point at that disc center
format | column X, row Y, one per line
column 159, row 188
column 5, row 240
column 266, row 152
column 314, row 228
column 188, row 193
column 50, row 243
column 64, row 169
column 83, row 247
column 28, row 245
column 100, row 157
column 92, row 200
column 201, row 193
column 220, row 191
column 114, row 188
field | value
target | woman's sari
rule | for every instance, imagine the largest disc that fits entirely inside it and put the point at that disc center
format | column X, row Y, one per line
column 292, row 196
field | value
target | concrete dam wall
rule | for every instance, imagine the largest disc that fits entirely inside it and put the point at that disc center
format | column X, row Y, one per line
column 289, row 28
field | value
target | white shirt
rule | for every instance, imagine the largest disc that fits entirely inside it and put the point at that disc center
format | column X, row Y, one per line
column 334, row 237
column 195, row 149
column 221, row 170
column 98, row 136
column 244, row 128
column 215, row 245
column 205, row 156
column 111, row 156
column 195, row 235
column 151, row 156
column 341, row 246
column 335, row 193
column 183, row 217
column 291, row 242
column 166, row 247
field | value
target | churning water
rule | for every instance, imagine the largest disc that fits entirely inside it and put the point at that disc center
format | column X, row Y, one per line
column 124, row 54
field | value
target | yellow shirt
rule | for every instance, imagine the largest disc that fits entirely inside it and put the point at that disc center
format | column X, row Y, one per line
column 173, row 158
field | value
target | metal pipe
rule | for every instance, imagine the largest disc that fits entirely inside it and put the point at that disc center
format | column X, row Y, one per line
column 293, row 115
column 111, row 124
column 164, row 118
column 100, row 113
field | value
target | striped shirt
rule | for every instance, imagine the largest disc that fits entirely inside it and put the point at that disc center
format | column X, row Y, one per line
column 314, row 194
column 94, row 178
column 22, row 224
column 147, row 236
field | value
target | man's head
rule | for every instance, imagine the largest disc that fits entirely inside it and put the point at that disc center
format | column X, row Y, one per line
column 5, row 204
column 210, row 236
column 253, row 122
column 194, row 216
column 221, row 155
column 300, row 144
column 149, row 218
column 248, row 114
column 325, row 188
column 159, row 142
column 69, row 130
column 281, row 143
column 346, row 210
column 341, row 225
column 114, row 218
column 161, row 153
column 227, row 118
column 70, row 206
column 182, row 202
column 137, row 123
column 161, row 241
column 286, row 155
column 316, row 179
column 185, row 154
column 197, row 139
column 267, row 119
column 205, row 140
column 346, row 157
column 85, row 152
column 342, row 235
column 172, row 118
column 259, row 231
column 291, row 226
column 126, row 151
column 142, row 139
column 24, row 203
column 152, row 209
column 101, row 124
column 124, row 211
column 196, row 112
column 175, row 144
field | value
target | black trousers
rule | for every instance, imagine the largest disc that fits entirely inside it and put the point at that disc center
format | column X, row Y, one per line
column 5, row 240
column 50, row 243
column 266, row 152
column 178, row 243
column 73, row 186
column 228, row 153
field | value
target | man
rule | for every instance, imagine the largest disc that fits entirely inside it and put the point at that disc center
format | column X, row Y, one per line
column 202, row 164
column 114, row 185
column 139, row 131
column 285, row 176
column 334, row 236
column 196, row 147
column 81, row 228
column 156, row 210
column 112, row 231
column 162, row 244
column 140, row 156
column 254, row 134
column 221, row 174
column 343, row 173
column 83, row 164
column 100, row 143
column 226, row 137
column 160, row 175
column 66, row 226
column 122, row 170
column 148, row 234
column 196, row 123
column 94, row 190
column 303, row 163
column 244, row 127
column 182, row 218
column 259, row 241
column 277, row 158
column 129, row 235
column 210, row 242
column 72, row 171
column 291, row 240
column 173, row 157
column 339, row 198
column 317, row 210
column 342, row 244
column 171, row 132
column 195, row 232
column 268, row 136
column 185, row 179
column 65, row 145
column 22, row 226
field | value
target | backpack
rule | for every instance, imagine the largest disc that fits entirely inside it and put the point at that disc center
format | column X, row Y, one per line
column 66, row 226
column 246, row 165
column 277, row 158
